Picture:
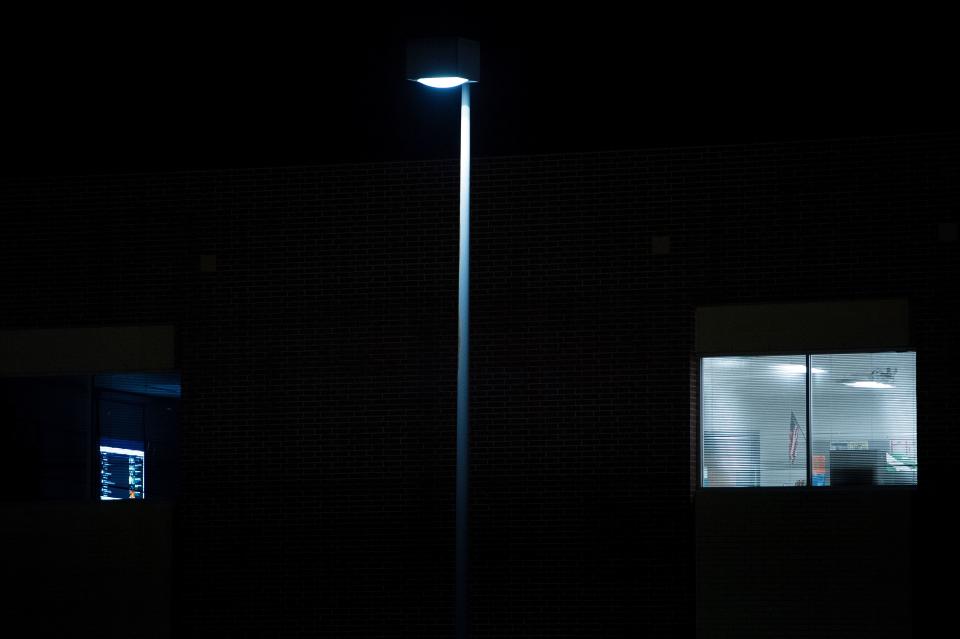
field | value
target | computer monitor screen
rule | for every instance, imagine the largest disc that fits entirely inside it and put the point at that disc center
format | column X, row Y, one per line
column 121, row 469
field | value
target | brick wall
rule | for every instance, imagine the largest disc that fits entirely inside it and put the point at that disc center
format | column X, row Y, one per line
column 319, row 362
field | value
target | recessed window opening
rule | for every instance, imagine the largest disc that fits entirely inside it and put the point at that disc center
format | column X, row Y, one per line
column 110, row 436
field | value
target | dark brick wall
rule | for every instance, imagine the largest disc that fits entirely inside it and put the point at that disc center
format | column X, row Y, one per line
column 319, row 363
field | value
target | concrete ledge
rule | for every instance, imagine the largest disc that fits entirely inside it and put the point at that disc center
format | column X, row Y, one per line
column 87, row 350
column 801, row 328
column 804, row 562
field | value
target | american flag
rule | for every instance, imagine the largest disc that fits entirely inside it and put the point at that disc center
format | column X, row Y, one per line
column 794, row 437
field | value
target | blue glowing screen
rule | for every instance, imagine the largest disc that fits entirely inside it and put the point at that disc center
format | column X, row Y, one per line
column 121, row 469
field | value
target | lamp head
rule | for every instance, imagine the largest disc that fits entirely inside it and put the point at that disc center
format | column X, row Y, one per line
column 443, row 63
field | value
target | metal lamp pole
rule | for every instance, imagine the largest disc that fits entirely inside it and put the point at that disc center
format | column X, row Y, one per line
column 445, row 63
column 463, row 368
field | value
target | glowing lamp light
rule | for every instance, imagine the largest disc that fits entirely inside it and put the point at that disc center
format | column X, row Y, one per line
column 442, row 83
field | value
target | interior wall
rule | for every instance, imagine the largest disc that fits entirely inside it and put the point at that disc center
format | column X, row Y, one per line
column 757, row 395
column 856, row 412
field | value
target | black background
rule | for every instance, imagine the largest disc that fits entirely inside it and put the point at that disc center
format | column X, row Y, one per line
column 178, row 90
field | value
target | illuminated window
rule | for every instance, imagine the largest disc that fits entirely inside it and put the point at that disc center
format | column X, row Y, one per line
column 136, row 427
column 105, row 436
column 811, row 419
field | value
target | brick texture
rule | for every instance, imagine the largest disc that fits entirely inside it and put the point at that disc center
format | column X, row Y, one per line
column 318, row 362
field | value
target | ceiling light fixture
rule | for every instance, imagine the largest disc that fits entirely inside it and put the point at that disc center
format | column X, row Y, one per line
column 868, row 384
column 797, row 368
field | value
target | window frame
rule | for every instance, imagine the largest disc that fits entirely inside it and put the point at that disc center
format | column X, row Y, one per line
column 808, row 484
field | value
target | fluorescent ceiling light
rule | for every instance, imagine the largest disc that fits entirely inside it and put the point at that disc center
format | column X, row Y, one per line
column 121, row 451
column 797, row 368
column 868, row 385
column 442, row 83
column 726, row 362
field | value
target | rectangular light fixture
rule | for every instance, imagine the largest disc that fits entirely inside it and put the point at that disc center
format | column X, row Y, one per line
column 867, row 384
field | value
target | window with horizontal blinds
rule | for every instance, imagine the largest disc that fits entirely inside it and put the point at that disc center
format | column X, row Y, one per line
column 754, row 418
column 857, row 409
column 864, row 413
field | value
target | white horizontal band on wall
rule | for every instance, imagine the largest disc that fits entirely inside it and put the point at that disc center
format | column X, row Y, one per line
column 87, row 350
column 804, row 327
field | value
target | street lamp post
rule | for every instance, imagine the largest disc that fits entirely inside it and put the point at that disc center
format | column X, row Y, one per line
column 446, row 63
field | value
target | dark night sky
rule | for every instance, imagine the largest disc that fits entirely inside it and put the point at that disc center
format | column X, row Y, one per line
column 182, row 92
